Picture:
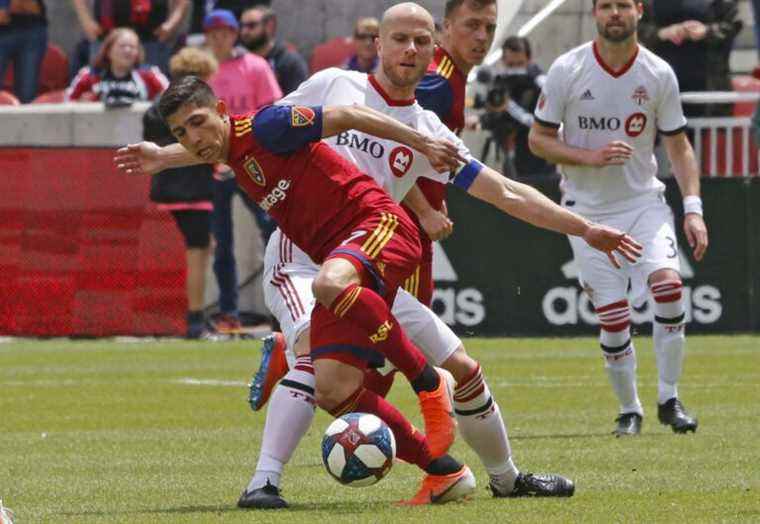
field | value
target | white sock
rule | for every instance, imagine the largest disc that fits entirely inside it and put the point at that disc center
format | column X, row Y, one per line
column 482, row 427
column 289, row 415
column 619, row 354
column 669, row 335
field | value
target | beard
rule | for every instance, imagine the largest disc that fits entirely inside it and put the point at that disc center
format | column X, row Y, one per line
column 621, row 35
column 399, row 80
column 256, row 42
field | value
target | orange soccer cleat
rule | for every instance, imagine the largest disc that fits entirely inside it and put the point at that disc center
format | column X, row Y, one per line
column 440, row 425
column 440, row 489
column 273, row 367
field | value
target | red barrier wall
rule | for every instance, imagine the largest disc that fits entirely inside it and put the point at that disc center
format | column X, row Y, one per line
column 82, row 250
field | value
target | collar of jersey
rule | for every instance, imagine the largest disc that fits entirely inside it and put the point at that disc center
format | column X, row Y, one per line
column 388, row 100
column 620, row 72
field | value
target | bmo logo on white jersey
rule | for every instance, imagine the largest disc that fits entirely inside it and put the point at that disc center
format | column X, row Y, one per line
column 372, row 147
column 600, row 123
column 635, row 124
column 400, row 160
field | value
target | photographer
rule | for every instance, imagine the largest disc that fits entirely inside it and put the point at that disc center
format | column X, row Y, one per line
column 514, row 87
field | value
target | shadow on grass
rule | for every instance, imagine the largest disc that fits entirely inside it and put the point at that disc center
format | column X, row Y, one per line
column 339, row 507
column 559, row 436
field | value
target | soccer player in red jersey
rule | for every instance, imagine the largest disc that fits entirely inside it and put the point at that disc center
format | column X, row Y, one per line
column 468, row 31
column 342, row 219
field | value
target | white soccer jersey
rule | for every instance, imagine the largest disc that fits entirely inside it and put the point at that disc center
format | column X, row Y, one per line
column 595, row 106
column 394, row 166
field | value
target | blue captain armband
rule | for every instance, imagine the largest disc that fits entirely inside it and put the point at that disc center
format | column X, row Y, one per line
column 285, row 129
column 467, row 174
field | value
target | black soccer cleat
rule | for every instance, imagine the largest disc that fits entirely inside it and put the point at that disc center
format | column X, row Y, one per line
column 673, row 414
column 628, row 424
column 267, row 497
column 530, row 485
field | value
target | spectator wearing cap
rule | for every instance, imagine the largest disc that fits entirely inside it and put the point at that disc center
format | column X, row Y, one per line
column 23, row 41
column 246, row 83
column 258, row 27
column 364, row 58
column 154, row 21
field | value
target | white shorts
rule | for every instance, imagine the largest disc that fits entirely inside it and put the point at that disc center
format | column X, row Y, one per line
column 288, row 274
column 652, row 226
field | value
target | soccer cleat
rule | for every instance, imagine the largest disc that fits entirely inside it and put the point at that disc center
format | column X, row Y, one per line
column 530, row 485
column 438, row 414
column 227, row 324
column 628, row 424
column 273, row 367
column 267, row 497
column 440, row 489
column 673, row 414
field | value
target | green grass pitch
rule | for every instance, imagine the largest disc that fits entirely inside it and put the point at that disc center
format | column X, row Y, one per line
column 103, row 431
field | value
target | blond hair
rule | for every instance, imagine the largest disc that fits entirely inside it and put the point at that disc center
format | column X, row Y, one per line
column 193, row 61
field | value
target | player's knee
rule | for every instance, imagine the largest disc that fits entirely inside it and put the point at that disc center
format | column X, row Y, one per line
column 334, row 276
column 460, row 364
column 664, row 275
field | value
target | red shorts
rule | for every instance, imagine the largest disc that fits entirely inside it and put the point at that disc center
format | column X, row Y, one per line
column 384, row 249
column 420, row 283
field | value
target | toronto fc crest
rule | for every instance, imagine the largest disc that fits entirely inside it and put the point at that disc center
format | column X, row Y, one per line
column 640, row 95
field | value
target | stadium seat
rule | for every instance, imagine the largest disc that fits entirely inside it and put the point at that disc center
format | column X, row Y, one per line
column 332, row 53
column 51, row 97
column 54, row 72
column 744, row 84
column 7, row 99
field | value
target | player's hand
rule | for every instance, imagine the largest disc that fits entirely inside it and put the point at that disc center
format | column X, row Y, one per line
column 437, row 224
column 696, row 234
column 144, row 158
column 610, row 241
column 443, row 155
column 615, row 153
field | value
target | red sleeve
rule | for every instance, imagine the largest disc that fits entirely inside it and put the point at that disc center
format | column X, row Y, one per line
column 155, row 81
column 82, row 83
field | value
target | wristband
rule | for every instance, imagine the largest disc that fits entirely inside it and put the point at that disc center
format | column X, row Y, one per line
column 692, row 204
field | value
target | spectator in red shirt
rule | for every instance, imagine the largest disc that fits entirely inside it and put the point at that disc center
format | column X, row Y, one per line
column 117, row 78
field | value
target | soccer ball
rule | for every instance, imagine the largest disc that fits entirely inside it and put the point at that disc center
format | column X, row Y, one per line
column 358, row 449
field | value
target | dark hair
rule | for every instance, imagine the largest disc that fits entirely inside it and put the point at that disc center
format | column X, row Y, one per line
column 453, row 5
column 517, row 44
column 185, row 90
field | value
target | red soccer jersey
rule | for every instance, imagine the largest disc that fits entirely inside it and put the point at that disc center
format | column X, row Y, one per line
column 313, row 193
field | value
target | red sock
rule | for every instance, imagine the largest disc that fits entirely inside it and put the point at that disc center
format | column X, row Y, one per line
column 411, row 445
column 366, row 309
column 377, row 382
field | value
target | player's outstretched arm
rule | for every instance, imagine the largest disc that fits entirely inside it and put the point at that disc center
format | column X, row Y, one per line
column 544, row 142
column 442, row 154
column 529, row 205
column 686, row 172
column 146, row 158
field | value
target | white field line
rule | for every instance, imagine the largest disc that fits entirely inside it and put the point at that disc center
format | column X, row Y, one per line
column 189, row 381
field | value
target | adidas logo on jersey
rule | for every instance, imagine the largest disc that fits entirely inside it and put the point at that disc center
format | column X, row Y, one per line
column 587, row 95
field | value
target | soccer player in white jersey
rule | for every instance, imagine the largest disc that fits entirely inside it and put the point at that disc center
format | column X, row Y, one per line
column 611, row 97
column 405, row 47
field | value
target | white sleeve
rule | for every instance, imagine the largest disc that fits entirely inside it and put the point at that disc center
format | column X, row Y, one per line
column 441, row 131
column 312, row 91
column 550, row 110
column 670, row 118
